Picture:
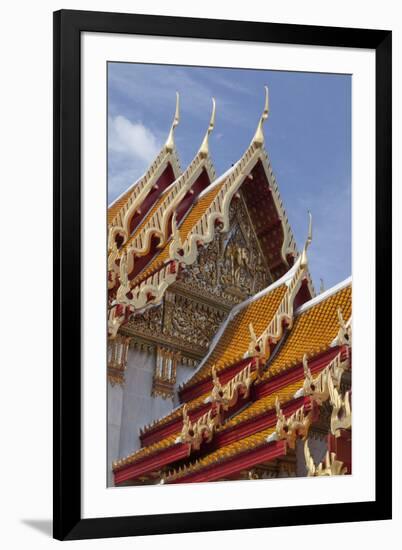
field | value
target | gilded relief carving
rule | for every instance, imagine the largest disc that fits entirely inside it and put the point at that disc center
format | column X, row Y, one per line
column 231, row 267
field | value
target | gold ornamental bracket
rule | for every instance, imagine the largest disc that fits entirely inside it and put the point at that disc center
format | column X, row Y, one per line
column 296, row 426
column 318, row 388
column 226, row 396
column 341, row 416
column 344, row 336
column 202, row 430
column 329, row 467
column 222, row 399
column 261, row 347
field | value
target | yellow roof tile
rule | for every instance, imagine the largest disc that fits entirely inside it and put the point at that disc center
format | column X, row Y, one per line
column 168, row 441
column 229, row 451
column 118, row 204
column 263, row 405
column 313, row 331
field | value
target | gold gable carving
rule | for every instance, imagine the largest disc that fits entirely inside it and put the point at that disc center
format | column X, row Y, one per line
column 231, row 267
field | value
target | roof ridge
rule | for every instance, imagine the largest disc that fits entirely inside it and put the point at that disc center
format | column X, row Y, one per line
column 324, row 295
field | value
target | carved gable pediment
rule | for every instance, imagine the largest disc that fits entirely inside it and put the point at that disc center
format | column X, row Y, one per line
column 232, row 267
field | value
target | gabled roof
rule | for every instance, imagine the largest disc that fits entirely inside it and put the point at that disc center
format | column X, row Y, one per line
column 252, row 427
column 137, row 192
column 234, row 341
column 199, row 227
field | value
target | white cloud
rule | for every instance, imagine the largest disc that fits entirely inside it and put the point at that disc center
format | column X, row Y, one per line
column 132, row 139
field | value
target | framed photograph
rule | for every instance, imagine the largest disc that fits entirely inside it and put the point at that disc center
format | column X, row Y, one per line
column 222, row 275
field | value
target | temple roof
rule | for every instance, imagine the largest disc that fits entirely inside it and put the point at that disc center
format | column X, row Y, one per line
column 179, row 240
column 319, row 315
column 222, row 454
column 233, row 339
column 138, row 191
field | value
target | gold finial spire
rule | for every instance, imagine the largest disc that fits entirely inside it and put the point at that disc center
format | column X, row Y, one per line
column 169, row 145
column 258, row 138
column 204, row 149
column 308, row 240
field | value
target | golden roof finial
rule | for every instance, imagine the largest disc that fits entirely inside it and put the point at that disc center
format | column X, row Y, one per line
column 169, row 145
column 204, row 149
column 308, row 240
column 258, row 138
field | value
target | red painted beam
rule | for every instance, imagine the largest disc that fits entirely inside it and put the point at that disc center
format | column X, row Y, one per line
column 259, row 391
column 258, row 423
column 282, row 379
column 160, row 432
column 149, row 464
column 219, row 470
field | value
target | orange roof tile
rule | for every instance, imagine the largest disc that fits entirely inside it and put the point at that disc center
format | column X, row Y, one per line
column 313, row 330
column 168, row 441
column 263, row 405
column 118, row 204
column 299, row 341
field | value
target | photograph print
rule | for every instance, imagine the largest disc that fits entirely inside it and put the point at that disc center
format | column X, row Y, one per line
column 229, row 290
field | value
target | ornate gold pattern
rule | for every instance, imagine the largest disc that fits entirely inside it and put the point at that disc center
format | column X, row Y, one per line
column 297, row 425
column 318, row 388
column 203, row 232
column 203, row 429
column 341, row 416
column 231, row 267
column 117, row 359
column 344, row 336
column 164, row 378
column 226, row 396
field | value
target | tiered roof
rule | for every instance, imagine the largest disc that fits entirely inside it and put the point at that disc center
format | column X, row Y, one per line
column 253, row 381
column 147, row 270
column 123, row 208
column 240, row 435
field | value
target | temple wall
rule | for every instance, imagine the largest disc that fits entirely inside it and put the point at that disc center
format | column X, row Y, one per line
column 139, row 407
column 114, row 409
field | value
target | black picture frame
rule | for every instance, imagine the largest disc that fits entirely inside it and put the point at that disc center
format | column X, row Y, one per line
column 68, row 26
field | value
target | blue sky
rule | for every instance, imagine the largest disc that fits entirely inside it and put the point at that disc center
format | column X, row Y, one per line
column 307, row 136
